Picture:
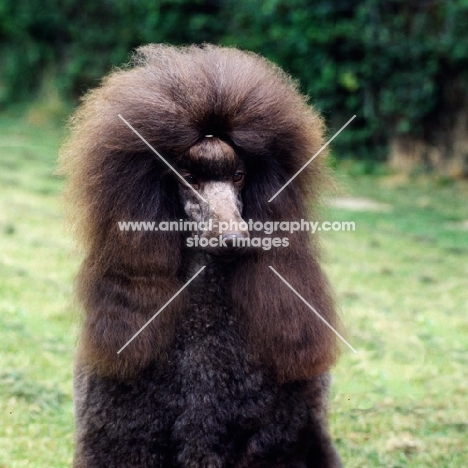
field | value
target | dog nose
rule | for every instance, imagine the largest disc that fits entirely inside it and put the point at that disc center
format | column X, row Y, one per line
column 234, row 239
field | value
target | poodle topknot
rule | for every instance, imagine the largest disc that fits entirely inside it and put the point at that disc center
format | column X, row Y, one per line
column 233, row 372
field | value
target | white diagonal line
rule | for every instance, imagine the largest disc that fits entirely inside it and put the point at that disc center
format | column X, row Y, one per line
column 311, row 308
column 312, row 158
column 161, row 309
column 162, row 159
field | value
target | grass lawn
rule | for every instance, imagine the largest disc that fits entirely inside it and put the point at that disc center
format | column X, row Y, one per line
column 400, row 278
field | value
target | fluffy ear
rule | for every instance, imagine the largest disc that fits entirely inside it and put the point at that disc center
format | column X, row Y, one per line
column 281, row 327
column 288, row 335
column 118, row 302
column 127, row 276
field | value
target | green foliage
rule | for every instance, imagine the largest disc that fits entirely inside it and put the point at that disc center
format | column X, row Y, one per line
column 399, row 65
column 81, row 41
column 387, row 62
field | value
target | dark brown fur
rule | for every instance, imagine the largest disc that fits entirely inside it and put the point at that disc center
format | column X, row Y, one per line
column 174, row 97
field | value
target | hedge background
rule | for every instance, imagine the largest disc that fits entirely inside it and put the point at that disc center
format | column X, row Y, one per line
column 401, row 66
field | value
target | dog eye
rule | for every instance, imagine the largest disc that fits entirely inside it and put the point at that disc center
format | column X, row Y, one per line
column 192, row 180
column 238, row 177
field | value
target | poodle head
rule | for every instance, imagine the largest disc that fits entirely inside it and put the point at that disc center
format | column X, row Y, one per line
column 237, row 129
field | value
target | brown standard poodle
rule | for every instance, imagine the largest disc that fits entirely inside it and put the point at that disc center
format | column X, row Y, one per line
column 233, row 372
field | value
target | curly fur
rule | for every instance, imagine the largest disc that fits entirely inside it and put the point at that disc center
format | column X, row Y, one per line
column 233, row 373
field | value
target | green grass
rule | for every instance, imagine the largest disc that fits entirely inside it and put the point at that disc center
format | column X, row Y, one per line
column 37, row 327
column 401, row 279
column 401, row 282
